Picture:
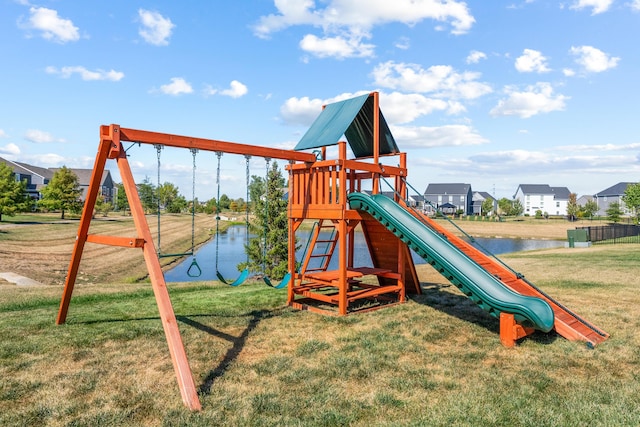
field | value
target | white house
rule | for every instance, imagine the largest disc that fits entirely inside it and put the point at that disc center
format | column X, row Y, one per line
column 543, row 198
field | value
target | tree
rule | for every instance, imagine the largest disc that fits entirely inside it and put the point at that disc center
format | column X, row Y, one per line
column 177, row 205
column 256, row 190
column 12, row 193
column 225, row 202
column 572, row 207
column 487, row 206
column 516, row 208
column 146, row 192
column 631, row 199
column 271, row 225
column 590, row 208
column 102, row 206
column 166, row 193
column 122, row 204
column 504, row 205
column 62, row 192
column 614, row 212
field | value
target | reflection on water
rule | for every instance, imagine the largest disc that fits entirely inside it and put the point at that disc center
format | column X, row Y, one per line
column 231, row 243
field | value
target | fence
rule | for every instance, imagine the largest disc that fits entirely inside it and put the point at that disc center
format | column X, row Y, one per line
column 614, row 233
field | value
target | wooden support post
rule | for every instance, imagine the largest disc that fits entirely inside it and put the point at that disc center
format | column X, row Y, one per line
column 167, row 316
column 83, row 229
column 511, row 331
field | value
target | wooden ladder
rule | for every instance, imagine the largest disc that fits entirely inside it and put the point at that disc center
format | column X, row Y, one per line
column 320, row 248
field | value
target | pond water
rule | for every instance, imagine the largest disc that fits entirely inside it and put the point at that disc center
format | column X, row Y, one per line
column 231, row 252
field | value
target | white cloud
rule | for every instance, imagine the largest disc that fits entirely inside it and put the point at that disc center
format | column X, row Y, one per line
column 3, row 134
column 353, row 20
column 178, row 86
column 404, row 43
column 85, row 74
column 50, row 160
column 338, row 47
column 40, row 137
column 568, row 72
column 51, row 26
column 536, row 99
column 10, row 149
column 441, row 80
column 600, row 147
column 301, row 111
column 475, row 56
column 598, row 6
column 593, row 60
column 401, row 108
column 236, row 90
column 156, row 29
column 531, row 61
column 635, row 5
column 441, row 136
column 398, row 108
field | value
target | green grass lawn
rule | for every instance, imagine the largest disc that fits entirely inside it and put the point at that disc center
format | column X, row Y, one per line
column 436, row 360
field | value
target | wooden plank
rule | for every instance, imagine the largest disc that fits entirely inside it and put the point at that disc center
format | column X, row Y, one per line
column 125, row 242
column 147, row 137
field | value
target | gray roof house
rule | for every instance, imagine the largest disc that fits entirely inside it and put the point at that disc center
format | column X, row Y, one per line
column 478, row 199
column 37, row 177
column 543, row 198
column 611, row 195
column 449, row 197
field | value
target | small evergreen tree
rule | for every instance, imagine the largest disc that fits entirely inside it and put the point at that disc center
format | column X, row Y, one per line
column 12, row 193
column 62, row 193
column 268, row 253
column 614, row 212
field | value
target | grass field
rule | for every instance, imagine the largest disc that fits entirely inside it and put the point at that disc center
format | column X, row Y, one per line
column 436, row 360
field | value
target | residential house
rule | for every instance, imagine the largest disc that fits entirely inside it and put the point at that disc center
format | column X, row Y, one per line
column 478, row 198
column 35, row 177
column 38, row 177
column 449, row 198
column 543, row 198
column 84, row 178
column 611, row 195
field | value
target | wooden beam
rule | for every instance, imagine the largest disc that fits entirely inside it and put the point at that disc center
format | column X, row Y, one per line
column 125, row 242
column 146, row 137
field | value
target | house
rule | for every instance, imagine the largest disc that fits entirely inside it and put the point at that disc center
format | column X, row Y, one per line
column 478, row 198
column 613, row 194
column 543, row 198
column 84, row 178
column 449, row 198
column 37, row 177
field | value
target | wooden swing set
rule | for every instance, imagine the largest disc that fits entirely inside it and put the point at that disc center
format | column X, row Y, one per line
column 318, row 189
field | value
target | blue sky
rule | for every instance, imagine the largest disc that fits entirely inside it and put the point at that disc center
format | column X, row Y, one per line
column 492, row 93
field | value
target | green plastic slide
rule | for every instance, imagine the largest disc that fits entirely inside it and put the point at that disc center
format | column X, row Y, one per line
column 475, row 282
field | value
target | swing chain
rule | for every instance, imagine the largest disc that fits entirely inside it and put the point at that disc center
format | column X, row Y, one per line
column 158, row 148
column 194, row 151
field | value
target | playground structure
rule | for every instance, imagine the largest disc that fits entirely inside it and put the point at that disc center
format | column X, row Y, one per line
column 339, row 194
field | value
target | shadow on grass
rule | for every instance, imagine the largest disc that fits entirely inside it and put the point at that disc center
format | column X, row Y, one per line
column 456, row 305
column 238, row 343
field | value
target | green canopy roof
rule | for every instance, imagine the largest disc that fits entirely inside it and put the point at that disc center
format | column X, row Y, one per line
column 352, row 118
